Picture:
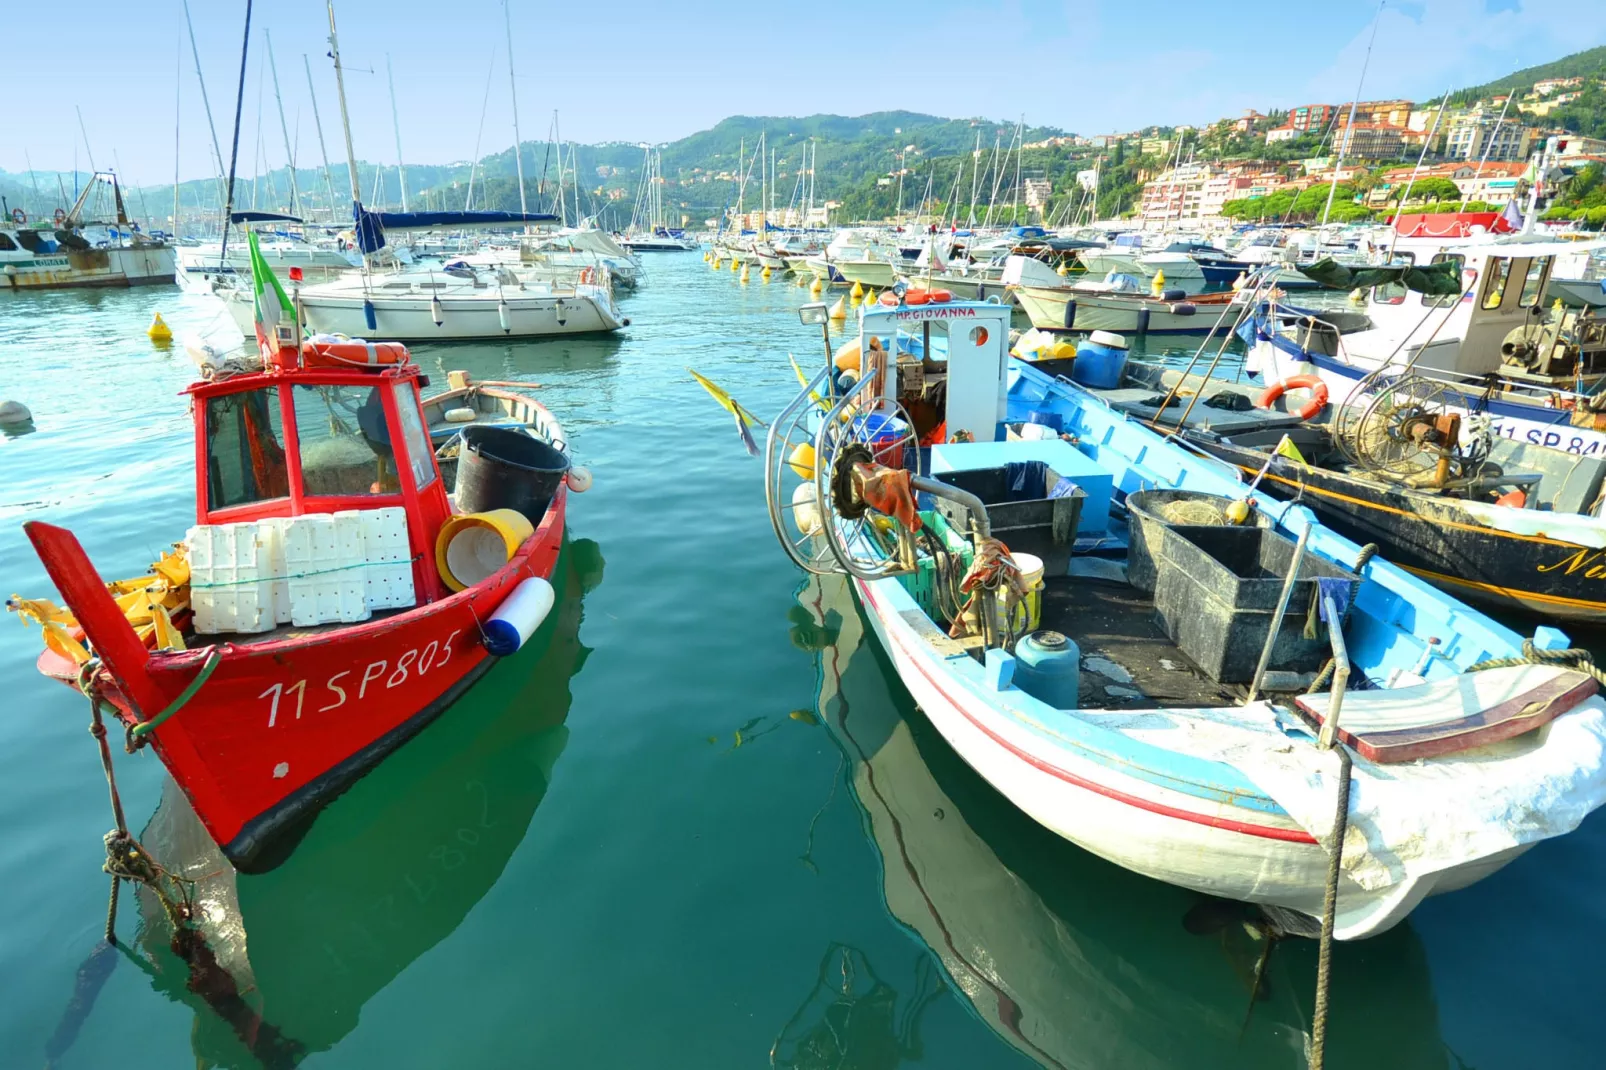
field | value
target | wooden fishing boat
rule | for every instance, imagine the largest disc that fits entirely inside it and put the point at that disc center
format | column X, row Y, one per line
column 313, row 620
column 1160, row 704
column 1094, row 307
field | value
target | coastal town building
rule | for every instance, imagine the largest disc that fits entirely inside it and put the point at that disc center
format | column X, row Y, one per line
column 1480, row 135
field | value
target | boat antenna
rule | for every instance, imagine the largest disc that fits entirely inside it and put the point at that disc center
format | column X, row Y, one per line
column 1427, row 142
column 33, row 177
column 1349, row 126
column 328, row 175
column 88, row 151
column 484, row 104
column 217, row 153
column 289, row 152
column 513, row 85
column 234, row 151
column 395, row 121
column 1487, row 148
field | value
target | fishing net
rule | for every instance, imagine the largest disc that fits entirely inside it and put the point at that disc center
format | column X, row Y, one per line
column 1194, row 513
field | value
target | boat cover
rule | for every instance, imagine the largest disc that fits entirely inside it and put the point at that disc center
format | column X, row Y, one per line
column 1439, row 280
column 1408, row 820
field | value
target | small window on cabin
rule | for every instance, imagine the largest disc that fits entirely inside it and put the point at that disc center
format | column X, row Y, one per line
column 345, row 441
column 1533, row 284
column 1393, row 293
column 6, row 244
column 420, row 454
column 1494, row 284
column 245, row 459
column 1446, row 300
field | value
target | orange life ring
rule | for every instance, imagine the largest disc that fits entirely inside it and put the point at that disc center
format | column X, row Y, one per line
column 353, row 354
column 586, row 275
column 917, row 297
column 888, row 299
column 19, row 217
column 940, row 297
column 1313, row 383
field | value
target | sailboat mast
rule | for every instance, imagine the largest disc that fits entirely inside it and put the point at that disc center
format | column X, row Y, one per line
column 178, row 113
column 217, row 152
column 513, row 85
column 1349, row 127
column 484, row 105
column 234, row 151
column 289, row 152
column 345, row 116
column 1020, row 151
column 395, row 122
column 323, row 149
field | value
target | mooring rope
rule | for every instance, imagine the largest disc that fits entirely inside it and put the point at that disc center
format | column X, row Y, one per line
column 1324, row 954
column 1576, row 658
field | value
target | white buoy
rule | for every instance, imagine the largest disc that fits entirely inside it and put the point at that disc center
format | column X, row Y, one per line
column 14, row 412
column 520, row 614
column 579, row 479
column 435, row 310
column 503, row 315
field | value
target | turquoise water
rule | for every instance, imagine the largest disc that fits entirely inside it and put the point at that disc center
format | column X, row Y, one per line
column 702, row 825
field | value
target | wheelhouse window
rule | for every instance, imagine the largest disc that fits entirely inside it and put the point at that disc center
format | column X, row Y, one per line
column 344, row 441
column 420, row 454
column 1494, row 283
column 6, row 244
column 245, row 460
column 1533, row 283
column 1445, row 300
column 1393, row 293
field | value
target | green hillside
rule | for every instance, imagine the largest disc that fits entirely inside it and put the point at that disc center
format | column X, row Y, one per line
column 1592, row 61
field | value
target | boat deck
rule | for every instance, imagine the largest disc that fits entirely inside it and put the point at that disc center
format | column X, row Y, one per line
column 1128, row 662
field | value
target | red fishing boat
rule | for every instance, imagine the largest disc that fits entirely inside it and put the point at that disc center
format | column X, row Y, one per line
column 262, row 725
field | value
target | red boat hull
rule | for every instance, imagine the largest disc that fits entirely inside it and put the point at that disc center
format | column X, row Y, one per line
column 284, row 726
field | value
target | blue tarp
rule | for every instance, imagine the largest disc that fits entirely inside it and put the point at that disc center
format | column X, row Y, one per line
column 371, row 226
column 262, row 217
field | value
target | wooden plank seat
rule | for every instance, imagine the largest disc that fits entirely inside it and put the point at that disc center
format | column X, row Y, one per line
column 1453, row 715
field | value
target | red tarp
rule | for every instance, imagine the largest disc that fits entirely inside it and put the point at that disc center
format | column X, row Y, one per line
column 1450, row 224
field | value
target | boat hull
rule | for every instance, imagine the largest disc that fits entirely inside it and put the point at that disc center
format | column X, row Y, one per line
column 153, row 265
column 1439, row 542
column 283, row 726
column 1057, row 309
column 1217, row 848
column 877, row 273
column 410, row 320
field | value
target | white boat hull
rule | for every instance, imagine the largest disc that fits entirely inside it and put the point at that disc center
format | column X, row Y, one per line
column 1167, row 835
column 143, row 265
column 1094, row 312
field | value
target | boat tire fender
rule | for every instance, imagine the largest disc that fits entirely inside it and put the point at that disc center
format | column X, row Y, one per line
column 1070, row 315
column 1184, row 308
column 1143, row 320
column 1313, row 383
column 518, row 617
column 1174, row 295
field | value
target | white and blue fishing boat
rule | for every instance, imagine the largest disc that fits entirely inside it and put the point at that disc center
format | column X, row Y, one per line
column 1261, row 710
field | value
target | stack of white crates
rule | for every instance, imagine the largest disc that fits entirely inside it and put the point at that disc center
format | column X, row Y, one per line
column 322, row 568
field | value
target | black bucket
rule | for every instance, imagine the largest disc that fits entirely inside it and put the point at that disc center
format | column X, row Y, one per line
column 507, row 468
column 1151, row 512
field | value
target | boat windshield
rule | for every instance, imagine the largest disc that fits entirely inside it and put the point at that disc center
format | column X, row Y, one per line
column 344, row 441
column 245, row 459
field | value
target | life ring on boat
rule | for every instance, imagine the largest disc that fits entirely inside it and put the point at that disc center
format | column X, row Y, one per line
column 1313, row 383
column 939, row 297
column 353, row 354
column 586, row 275
column 60, row 217
column 19, row 217
column 917, row 297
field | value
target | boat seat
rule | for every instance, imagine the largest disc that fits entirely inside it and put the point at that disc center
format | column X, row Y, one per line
column 1457, row 714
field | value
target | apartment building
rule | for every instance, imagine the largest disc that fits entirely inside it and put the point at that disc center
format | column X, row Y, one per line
column 1478, row 136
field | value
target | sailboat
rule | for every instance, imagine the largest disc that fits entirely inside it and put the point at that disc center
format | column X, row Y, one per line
column 648, row 231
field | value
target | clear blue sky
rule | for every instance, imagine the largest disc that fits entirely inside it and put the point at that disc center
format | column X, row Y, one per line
column 638, row 70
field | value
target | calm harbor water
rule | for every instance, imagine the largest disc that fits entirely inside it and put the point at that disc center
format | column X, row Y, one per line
column 702, row 826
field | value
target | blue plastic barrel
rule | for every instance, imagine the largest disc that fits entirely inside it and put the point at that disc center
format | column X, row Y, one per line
column 1098, row 365
column 1048, row 667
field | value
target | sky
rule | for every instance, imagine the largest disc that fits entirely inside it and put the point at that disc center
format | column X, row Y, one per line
column 643, row 70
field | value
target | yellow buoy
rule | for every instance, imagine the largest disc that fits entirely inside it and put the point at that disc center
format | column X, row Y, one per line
column 847, row 356
column 1159, row 281
column 705, row 257
column 839, row 311
column 743, row 275
column 817, row 287
column 857, row 291
column 718, row 264
column 869, row 297
column 765, row 274
column 736, row 265
column 159, row 332
column 801, row 461
column 1238, row 511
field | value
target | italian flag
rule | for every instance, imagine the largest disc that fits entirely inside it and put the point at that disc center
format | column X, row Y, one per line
column 270, row 307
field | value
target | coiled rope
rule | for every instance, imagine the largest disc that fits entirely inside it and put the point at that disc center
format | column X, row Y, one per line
column 1572, row 657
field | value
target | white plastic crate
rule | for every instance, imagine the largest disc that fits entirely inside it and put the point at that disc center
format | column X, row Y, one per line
column 323, row 559
column 388, row 574
column 273, row 540
column 231, row 579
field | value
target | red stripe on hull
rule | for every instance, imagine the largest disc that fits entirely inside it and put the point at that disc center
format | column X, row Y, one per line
column 1263, row 831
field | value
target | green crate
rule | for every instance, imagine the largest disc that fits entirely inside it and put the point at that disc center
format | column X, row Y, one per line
column 922, row 583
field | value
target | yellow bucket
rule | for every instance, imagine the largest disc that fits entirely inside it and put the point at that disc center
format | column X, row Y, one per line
column 473, row 547
column 1031, row 607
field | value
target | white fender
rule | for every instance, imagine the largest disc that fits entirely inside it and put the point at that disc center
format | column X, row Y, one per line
column 520, row 614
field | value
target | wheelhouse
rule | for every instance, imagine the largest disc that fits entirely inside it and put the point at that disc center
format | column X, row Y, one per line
column 311, row 441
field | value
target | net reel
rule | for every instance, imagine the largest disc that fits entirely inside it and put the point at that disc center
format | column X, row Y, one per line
column 1413, row 430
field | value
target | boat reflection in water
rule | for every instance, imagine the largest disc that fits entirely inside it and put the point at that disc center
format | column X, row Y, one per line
column 386, row 872
column 1071, row 960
